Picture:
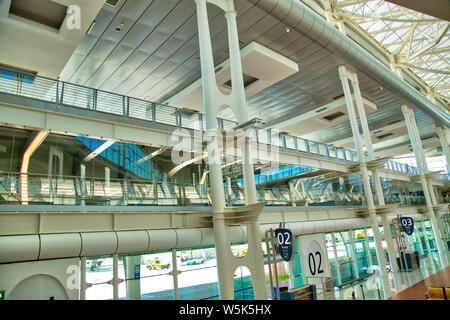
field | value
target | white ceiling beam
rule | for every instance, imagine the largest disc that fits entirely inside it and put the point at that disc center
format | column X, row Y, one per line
column 408, row 37
column 407, row 65
column 99, row 150
column 343, row 4
column 151, row 155
column 359, row 17
column 436, row 40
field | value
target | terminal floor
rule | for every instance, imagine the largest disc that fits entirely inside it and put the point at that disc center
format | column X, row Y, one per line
column 399, row 283
column 417, row 291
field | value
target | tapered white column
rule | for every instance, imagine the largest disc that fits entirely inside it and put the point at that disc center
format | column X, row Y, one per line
column 222, row 243
column 364, row 172
column 376, row 177
column 255, row 252
column 416, row 144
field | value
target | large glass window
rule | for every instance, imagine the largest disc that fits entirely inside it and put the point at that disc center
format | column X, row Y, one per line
column 243, row 288
column 345, row 256
column 332, row 258
column 198, row 277
column 156, row 278
column 362, row 252
column 98, row 272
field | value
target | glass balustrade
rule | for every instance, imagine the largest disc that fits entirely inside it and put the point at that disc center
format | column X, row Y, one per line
column 74, row 190
column 56, row 91
column 60, row 92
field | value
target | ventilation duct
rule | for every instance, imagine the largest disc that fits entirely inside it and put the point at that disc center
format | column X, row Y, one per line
column 94, row 244
column 304, row 20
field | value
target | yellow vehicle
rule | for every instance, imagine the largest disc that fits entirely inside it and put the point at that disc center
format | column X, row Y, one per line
column 156, row 264
column 359, row 235
column 242, row 252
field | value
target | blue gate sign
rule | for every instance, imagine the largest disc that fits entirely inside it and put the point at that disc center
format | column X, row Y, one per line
column 285, row 242
column 137, row 271
column 407, row 225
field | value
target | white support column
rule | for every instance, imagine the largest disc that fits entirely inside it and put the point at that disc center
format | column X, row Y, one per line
column 210, row 91
column 375, row 175
column 338, row 265
column 364, row 172
column 83, row 182
column 213, row 99
column 107, row 178
column 442, row 134
column 255, row 251
column 414, row 137
column 133, row 285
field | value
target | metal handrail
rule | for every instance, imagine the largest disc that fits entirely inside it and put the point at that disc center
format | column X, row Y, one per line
column 56, row 91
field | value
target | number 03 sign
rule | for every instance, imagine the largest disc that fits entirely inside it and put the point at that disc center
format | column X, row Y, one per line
column 314, row 256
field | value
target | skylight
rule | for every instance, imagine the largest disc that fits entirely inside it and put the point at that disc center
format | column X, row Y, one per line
column 418, row 42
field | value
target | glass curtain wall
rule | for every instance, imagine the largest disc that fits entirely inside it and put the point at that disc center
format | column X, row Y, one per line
column 362, row 252
column 345, row 256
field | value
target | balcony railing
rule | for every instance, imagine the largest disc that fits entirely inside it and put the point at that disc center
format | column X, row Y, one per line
column 74, row 190
column 65, row 93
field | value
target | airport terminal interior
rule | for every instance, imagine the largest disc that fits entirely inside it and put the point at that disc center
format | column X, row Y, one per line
column 224, row 150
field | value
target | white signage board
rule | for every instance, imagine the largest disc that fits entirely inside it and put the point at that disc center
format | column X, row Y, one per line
column 314, row 256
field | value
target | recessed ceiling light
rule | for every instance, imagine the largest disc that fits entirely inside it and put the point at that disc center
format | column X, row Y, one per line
column 287, row 29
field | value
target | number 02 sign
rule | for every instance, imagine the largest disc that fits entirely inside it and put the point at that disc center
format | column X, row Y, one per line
column 314, row 255
column 285, row 243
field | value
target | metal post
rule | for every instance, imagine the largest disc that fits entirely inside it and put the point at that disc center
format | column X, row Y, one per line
column 379, row 293
column 175, row 273
column 269, row 262
column 275, row 263
column 362, row 291
column 83, row 284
